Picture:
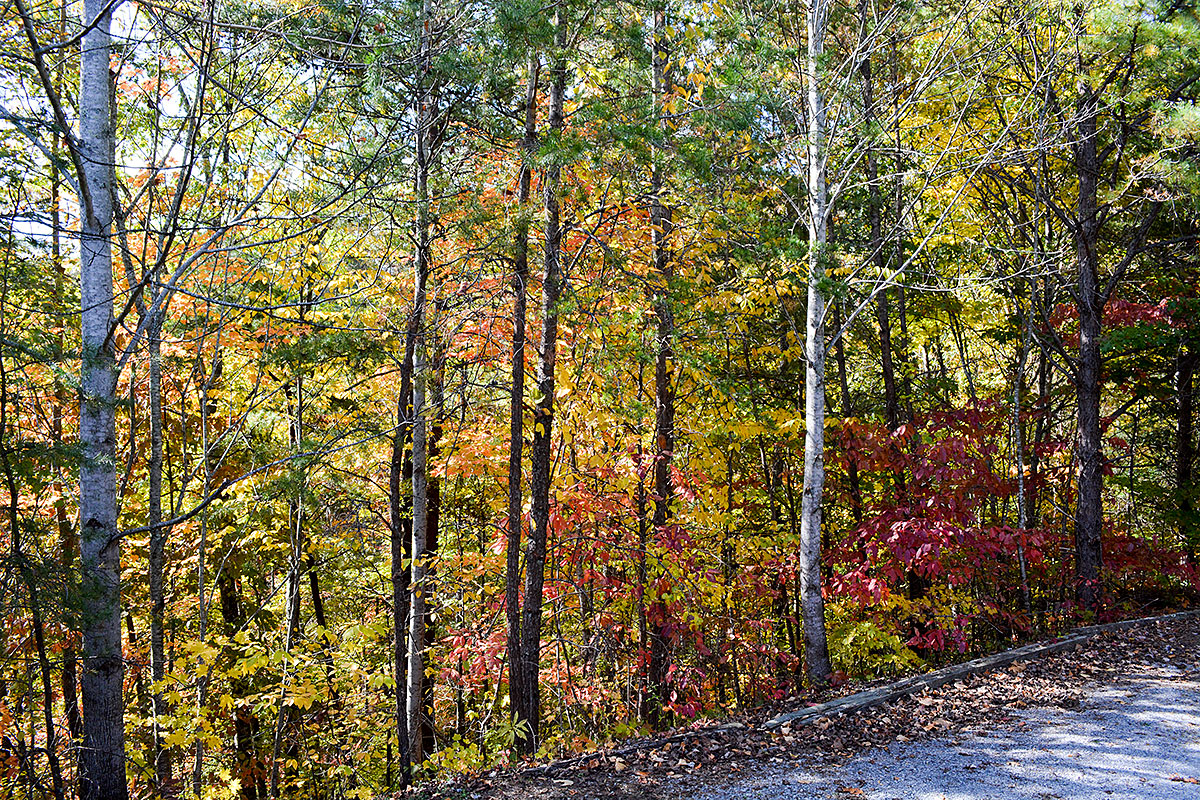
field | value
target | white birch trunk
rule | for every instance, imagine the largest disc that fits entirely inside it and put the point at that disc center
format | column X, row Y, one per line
column 812, row 604
column 102, row 755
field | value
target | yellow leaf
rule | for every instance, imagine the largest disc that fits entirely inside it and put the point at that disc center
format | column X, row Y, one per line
column 176, row 739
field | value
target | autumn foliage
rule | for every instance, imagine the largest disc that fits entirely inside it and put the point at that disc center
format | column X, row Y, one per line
column 268, row 221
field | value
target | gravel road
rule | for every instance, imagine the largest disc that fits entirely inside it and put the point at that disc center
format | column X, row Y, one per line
column 1138, row 736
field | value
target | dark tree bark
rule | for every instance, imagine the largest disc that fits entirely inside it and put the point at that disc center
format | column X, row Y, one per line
column 400, row 521
column 1185, row 454
column 433, row 514
column 899, row 345
column 1089, row 301
column 540, row 455
column 878, row 246
column 248, row 766
column 516, row 440
column 158, row 538
column 852, row 477
column 890, row 394
column 664, row 369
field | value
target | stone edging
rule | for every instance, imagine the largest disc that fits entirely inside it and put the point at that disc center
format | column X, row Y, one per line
column 932, row 680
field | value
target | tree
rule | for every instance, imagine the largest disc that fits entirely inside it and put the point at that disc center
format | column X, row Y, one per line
column 540, row 457
column 517, row 691
column 661, row 225
column 816, row 649
column 102, row 754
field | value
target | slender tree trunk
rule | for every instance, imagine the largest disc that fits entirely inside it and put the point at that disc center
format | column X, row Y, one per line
column 400, row 517
column 288, row 719
column 247, row 764
column 773, row 468
column 877, row 244
column 417, row 612
column 640, row 497
column 1041, row 430
column 816, row 650
column 540, row 455
column 664, row 369
column 158, row 537
column 102, row 754
column 891, row 396
column 433, row 516
column 852, row 477
column 1089, row 511
column 1185, row 367
column 727, row 643
column 420, row 534
column 516, row 440
column 1018, row 427
column 900, row 344
column 39, row 639
column 879, row 247
column 206, row 444
column 420, row 444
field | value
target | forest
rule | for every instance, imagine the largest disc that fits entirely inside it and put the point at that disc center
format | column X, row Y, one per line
column 399, row 388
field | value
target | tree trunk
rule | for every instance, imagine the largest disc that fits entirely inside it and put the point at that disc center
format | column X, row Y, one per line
column 1018, row 430
column 211, row 383
column 1185, row 367
column 877, row 244
column 891, row 397
column 852, row 477
column 516, row 440
column 433, row 517
column 420, row 532
column 1089, row 511
column 420, row 452
column 900, row 344
column 540, row 456
column 288, row 719
column 400, row 518
column 1041, row 430
column 664, row 370
column 158, row 537
column 247, row 761
column 102, row 754
column 640, row 497
column 816, row 651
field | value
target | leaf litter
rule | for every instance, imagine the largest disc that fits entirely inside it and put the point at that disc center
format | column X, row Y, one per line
column 684, row 761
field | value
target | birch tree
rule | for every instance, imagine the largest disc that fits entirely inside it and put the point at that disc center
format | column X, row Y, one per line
column 102, row 752
column 829, row 115
column 812, row 603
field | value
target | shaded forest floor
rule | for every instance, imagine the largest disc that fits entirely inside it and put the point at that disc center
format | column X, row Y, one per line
column 689, row 762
